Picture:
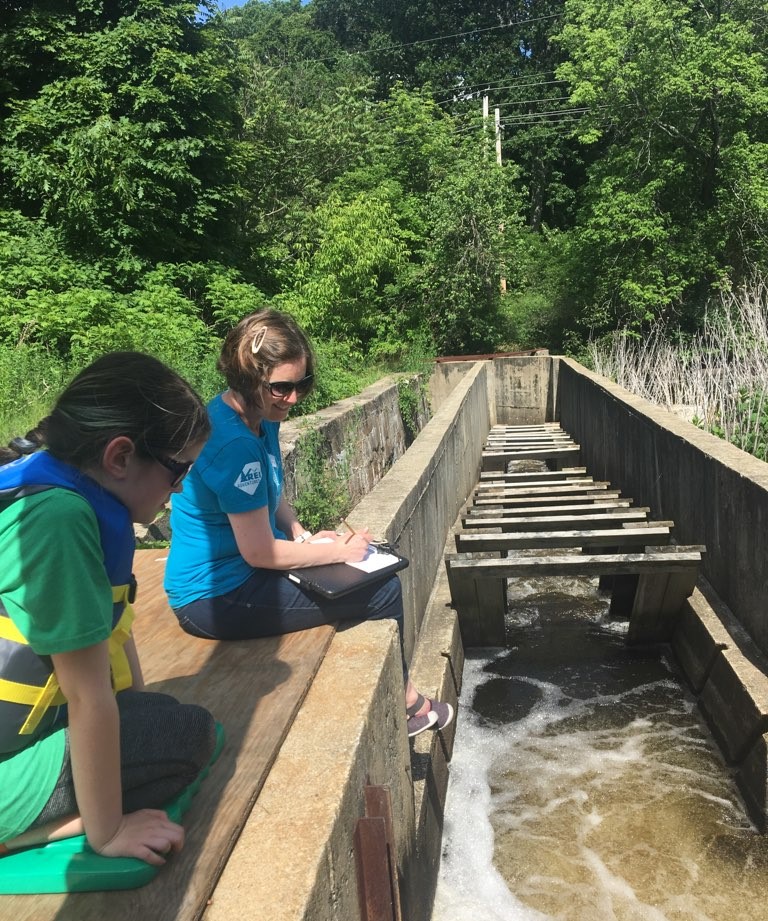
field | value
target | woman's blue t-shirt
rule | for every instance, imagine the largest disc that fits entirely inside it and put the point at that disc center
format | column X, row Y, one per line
column 236, row 471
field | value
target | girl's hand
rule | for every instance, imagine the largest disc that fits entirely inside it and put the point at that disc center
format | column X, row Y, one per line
column 147, row 834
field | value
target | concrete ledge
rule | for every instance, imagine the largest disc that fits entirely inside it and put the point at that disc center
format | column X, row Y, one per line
column 752, row 780
column 699, row 637
column 294, row 860
column 734, row 702
column 728, row 673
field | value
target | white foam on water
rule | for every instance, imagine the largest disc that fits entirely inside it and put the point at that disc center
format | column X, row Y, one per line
column 469, row 887
column 592, row 811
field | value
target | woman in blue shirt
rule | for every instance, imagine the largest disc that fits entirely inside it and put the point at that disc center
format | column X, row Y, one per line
column 234, row 532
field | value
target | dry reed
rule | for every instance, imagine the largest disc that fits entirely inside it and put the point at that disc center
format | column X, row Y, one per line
column 717, row 379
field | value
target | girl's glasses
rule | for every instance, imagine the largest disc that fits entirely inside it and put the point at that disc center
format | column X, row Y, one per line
column 178, row 469
column 283, row 389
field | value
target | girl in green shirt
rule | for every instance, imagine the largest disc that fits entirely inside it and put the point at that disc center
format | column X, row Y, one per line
column 118, row 442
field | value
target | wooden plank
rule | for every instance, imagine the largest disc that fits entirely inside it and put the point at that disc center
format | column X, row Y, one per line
column 616, row 518
column 557, row 489
column 657, row 605
column 255, row 688
column 561, row 509
column 499, row 484
column 514, row 443
column 498, row 460
column 525, row 427
column 512, row 501
column 532, row 540
column 534, row 476
column 544, row 453
column 481, row 607
column 575, row 564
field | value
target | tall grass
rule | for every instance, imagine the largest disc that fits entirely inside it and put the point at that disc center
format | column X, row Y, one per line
column 30, row 379
column 720, row 376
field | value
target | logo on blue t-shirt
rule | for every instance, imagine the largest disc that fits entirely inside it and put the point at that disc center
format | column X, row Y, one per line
column 249, row 478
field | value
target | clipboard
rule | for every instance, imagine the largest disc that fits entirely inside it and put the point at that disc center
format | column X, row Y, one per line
column 338, row 579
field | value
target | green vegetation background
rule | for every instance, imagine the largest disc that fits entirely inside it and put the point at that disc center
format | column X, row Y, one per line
column 166, row 168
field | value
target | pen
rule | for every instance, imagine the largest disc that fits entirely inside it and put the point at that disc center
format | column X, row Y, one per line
column 352, row 531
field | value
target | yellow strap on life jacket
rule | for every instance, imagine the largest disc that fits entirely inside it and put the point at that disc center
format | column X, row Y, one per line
column 118, row 660
column 40, row 699
column 9, row 631
column 49, row 696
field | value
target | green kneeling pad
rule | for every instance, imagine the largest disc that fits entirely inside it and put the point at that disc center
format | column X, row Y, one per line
column 70, row 865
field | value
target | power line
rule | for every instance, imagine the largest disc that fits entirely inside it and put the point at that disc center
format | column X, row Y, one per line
column 423, row 41
column 478, row 89
column 553, row 117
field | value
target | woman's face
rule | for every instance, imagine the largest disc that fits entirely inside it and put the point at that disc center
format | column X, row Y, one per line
column 275, row 408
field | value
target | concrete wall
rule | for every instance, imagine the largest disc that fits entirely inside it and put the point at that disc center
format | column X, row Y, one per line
column 417, row 502
column 445, row 376
column 525, row 390
column 716, row 494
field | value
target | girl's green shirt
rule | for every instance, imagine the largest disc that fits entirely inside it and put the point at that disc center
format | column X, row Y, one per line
column 55, row 589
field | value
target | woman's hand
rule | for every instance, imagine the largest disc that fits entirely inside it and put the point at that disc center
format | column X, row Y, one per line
column 258, row 547
column 351, row 548
column 147, row 834
column 326, row 535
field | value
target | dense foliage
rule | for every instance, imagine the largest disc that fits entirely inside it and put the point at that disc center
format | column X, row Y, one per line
column 166, row 167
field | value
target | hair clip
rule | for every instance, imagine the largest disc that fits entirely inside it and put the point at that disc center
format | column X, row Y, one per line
column 258, row 340
column 24, row 446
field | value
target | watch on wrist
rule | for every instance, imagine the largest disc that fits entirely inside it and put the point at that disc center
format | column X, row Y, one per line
column 303, row 537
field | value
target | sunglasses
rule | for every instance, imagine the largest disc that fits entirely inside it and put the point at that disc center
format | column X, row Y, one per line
column 283, row 389
column 178, row 469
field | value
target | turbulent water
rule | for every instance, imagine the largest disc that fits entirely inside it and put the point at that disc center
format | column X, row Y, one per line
column 584, row 785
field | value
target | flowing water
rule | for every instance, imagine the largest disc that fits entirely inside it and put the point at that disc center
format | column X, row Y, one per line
column 585, row 786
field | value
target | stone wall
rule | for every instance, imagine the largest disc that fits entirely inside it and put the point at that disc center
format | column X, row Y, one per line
column 363, row 436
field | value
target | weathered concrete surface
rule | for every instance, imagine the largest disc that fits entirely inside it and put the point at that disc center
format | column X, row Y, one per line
column 525, row 390
column 728, row 674
column 752, row 780
column 437, row 669
column 418, row 500
column 699, row 637
column 294, row 858
column 734, row 701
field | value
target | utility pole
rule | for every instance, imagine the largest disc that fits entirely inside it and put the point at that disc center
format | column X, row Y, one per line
column 497, row 120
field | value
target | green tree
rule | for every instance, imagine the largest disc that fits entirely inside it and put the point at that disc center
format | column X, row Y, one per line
column 677, row 97
column 119, row 125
